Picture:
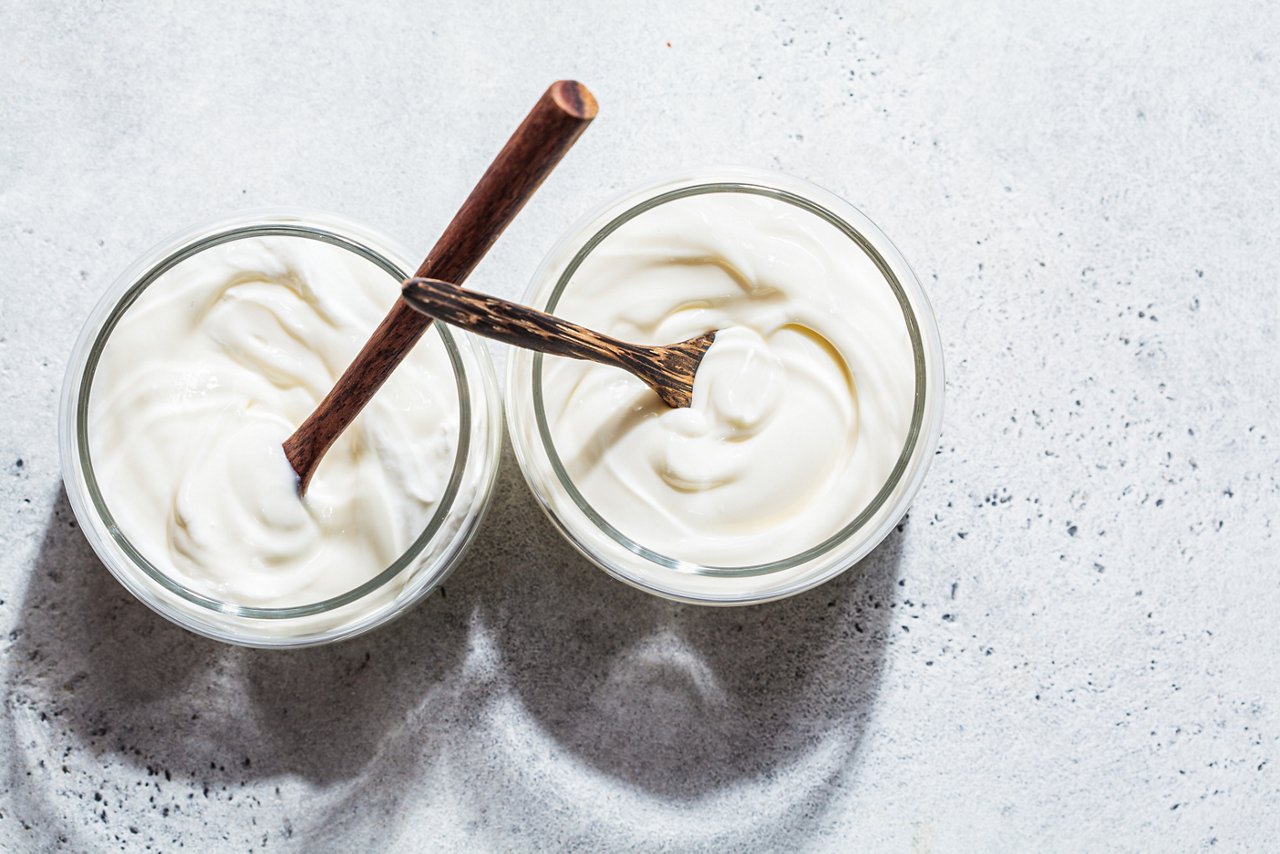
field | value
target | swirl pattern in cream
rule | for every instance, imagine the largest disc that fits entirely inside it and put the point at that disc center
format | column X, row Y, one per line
column 204, row 377
column 801, row 407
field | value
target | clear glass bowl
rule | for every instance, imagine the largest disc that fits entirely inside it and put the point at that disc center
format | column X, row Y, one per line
column 633, row 562
column 408, row 579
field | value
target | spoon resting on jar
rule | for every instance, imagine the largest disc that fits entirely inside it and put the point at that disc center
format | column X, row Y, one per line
column 668, row 370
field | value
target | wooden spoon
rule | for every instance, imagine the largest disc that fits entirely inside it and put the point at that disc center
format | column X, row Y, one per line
column 552, row 126
column 668, row 370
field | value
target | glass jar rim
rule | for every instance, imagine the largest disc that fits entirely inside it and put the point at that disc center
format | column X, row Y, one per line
column 161, row 258
column 753, row 182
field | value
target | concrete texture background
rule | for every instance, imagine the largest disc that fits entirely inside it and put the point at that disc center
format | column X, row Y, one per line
column 1070, row 644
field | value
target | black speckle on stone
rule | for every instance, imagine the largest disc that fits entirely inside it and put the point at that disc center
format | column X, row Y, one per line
column 1072, row 529
column 954, row 585
column 948, row 618
column 962, row 534
column 1159, row 502
column 18, row 463
column 133, row 829
column 1099, row 567
column 1227, row 492
column 246, row 762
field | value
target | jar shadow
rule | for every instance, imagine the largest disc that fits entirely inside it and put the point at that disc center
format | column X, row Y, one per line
column 588, row 714
column 537, row 686
column 95, row 677
column 679, row 703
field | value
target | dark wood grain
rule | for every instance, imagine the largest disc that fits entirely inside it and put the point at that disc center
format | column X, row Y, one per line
column 542, row 139
column 668, row 370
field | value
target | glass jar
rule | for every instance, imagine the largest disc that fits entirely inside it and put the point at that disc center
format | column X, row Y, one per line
column 419, row 570
column 635, row 563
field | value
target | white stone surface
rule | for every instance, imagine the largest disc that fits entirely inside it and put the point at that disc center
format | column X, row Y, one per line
column 1071, row 643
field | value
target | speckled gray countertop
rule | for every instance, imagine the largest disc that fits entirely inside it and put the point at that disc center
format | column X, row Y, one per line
column 1071, row 642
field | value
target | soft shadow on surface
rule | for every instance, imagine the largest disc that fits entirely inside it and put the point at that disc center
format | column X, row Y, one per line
column 539, row 686
column 111, row 677
column 677, row 700
column 589, row 715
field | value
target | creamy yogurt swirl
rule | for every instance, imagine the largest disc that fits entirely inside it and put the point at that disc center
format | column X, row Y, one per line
column 204, row 377
column 801, row 407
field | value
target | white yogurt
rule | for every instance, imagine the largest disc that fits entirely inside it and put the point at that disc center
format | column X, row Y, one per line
column 802, row 406
column 205, row 376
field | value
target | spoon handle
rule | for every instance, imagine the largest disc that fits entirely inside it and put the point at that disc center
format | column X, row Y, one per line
column 537, row 145
column 515, row 324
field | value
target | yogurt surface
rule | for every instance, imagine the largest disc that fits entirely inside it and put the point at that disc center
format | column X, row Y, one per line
column 802, row 406
column 204, row 377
